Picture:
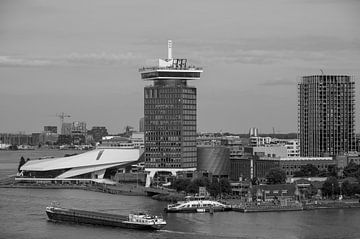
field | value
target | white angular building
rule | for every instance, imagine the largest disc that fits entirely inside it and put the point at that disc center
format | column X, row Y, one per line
column 93, row 166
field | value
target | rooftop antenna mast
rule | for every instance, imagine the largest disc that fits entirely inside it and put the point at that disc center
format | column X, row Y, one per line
column 169, row 50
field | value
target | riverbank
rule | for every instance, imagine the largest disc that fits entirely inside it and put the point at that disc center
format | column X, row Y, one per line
column 343, row 204
column 124, row 189
column 129, row 189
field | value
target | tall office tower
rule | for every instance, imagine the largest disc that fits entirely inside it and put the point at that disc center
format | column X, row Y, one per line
column 141, row 124
column 326, row 111
column 170, row 116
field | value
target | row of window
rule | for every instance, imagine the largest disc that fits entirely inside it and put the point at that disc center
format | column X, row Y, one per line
column 189, row 138
column 188, row 126
column 190, row 117
column 189, row 123
column 162, row 144
column 189, row 112
column 163, row 117
column 171, row 127
column 160, row 101
column 163, row 149
column 187, row 149
column 188, row 133
column 162, row 165
column 193, row 144
column 189, row 154
column 191, row 107
column 170, row 120
column 186, row 101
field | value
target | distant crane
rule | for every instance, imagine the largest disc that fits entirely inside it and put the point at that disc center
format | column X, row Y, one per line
column 62, row 116
column 273, row 132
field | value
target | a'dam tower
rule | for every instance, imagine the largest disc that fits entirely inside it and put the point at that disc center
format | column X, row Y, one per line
column 170, row 116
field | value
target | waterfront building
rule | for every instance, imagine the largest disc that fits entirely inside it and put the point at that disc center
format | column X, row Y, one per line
column 242, row 168
column 274, row 192
column 92, row 166
column 16, row 139
column 291, row 165
column 251, row 166
column 208, row 139
column 269, row 150
column 98, row 132
column 170, row 116
column 234, row 144
column 214, row 160
column 78, row 127
column 253, row 132
column 343, row 161
column 326, row 115
column 292, row 147
column 50, row 129
column 255, row 141
column 66, row 128
column 48, row 138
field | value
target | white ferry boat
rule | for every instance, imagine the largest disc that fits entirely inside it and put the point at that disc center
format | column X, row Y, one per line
column 193, row 206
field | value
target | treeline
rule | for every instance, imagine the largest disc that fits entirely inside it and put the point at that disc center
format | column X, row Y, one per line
column 348, row 184
column 214, row 187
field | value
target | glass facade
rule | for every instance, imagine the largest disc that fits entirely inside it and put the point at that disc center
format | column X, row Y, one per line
column 170, row 125
column 326, row 115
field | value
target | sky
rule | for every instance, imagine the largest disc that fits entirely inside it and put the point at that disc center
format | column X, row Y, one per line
column 82, row 58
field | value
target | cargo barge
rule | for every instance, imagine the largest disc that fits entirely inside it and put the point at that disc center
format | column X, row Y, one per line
column 140, row 221
column 267, row 208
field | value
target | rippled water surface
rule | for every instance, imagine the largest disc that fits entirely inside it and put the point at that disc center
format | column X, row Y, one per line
column 22, row 215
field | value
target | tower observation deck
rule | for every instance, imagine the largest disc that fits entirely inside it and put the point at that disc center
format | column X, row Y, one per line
column 169, row 117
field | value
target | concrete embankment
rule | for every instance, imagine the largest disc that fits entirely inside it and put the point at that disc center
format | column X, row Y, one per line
column 121, row 189
column 332, row 205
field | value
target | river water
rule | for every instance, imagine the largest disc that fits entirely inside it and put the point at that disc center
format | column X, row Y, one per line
column 22, row 215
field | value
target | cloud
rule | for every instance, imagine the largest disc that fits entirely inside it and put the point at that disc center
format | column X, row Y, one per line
column 259, row 56
column 17, row 61
column 102, row 58
column 73, row 59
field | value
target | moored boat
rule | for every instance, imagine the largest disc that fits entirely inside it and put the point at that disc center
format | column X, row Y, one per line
column 141, row 221
column 192, row 206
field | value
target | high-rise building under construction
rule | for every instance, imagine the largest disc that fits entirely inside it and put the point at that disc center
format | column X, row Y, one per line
column 326, row 115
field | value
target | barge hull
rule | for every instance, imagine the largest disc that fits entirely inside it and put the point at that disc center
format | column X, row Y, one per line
column 98, row 219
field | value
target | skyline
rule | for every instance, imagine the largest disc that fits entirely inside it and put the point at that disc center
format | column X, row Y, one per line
column 89, row 53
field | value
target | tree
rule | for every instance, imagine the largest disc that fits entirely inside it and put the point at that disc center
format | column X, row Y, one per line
column 21, row 163
column 347, row 188
column 332, row 171
column 181, row 184
column 276, row 176
column 307, row 170
column 193, row 187
column 255, row 181
column 352, row 170
column 219, row 186
column 331, row 187
column 350, row 189
column 225, row 186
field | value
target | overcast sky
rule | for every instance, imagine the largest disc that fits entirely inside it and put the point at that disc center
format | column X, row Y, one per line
column 82, row 58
